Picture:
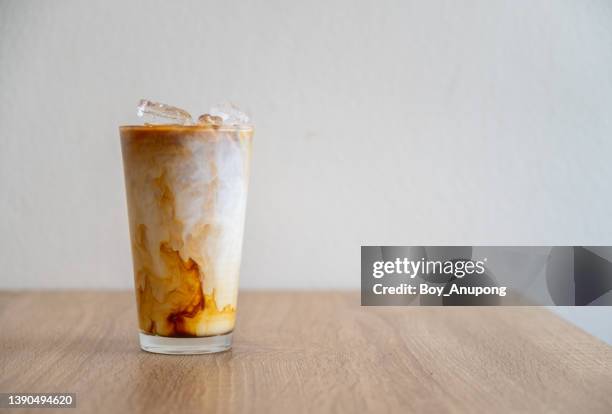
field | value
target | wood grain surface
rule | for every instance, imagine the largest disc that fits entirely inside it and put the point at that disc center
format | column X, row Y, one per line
column 304, row 353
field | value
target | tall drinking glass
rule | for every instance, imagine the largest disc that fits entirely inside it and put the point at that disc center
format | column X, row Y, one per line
column 186, row 194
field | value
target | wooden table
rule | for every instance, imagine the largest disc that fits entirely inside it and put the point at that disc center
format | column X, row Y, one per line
column 304, row 353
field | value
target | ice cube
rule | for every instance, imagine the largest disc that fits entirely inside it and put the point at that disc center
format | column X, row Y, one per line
column 230, row 114
column 208, row 119
column 165, row 112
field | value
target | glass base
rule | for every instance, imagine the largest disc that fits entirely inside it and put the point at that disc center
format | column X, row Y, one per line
column 185, row 346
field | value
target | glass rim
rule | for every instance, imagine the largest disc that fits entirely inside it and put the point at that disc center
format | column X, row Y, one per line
column 178, row 127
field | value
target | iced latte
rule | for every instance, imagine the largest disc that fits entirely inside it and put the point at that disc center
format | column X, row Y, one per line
column 186, row 192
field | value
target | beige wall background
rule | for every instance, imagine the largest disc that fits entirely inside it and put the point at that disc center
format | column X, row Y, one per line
column 382, row 122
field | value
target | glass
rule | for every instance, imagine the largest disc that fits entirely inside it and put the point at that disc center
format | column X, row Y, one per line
column 186, row 194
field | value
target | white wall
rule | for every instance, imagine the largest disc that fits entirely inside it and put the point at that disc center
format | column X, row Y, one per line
column 405, row 122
